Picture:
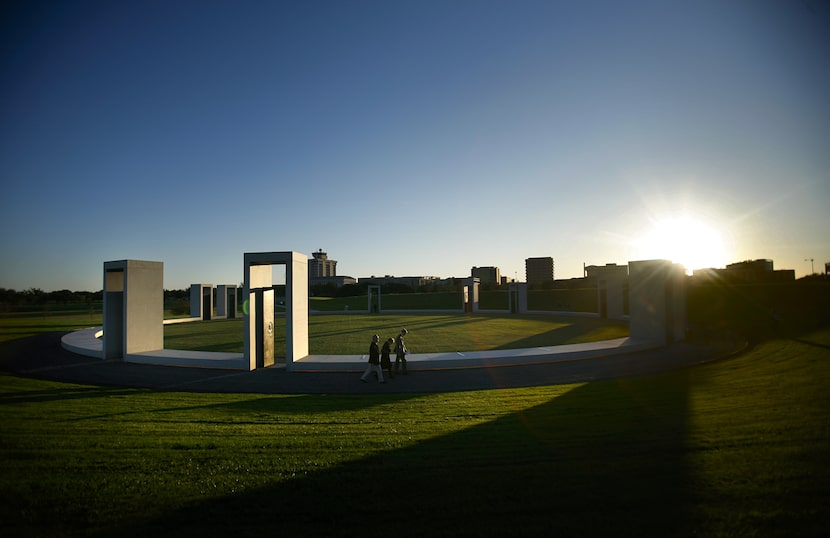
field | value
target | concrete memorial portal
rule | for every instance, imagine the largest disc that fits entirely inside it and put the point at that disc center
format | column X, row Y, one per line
column 133, row 316
column 259, row 318
column 133, row 320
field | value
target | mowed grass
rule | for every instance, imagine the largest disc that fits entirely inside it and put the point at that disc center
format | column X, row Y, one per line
column 350, row 334
column 340, row 334
column 734, row 448
column 21, row 325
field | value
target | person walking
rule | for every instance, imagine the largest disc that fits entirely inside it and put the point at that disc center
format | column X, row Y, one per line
column 400, row 352
column 374, row 361
column 385, row 361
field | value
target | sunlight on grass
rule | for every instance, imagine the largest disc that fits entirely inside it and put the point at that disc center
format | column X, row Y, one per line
column 757, row 423
column 340, row 334
column 736, row 447
column 14, row 326
column 173, row 448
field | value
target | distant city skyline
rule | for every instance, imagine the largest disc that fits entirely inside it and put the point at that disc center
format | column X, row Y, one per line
column 279, row 274
column 410, row 138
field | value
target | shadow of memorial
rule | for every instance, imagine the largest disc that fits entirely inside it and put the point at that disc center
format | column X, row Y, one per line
column 260, row 410
column 62, row 394
column 179, row 337
column 548, row 469
column 561, row 335
column 392, row 324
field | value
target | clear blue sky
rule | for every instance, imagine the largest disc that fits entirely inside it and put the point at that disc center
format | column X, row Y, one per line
column 408, row 137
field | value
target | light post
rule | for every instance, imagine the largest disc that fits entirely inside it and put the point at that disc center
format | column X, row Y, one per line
column 812, row 269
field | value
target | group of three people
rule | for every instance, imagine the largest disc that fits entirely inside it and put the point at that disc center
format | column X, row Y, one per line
column 379, row 359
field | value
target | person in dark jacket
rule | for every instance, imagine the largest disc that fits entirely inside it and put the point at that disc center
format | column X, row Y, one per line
column 385, row 361
column 374, row 361
column 400, row 352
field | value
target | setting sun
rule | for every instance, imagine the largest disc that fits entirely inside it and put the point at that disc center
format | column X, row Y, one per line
column 683, row 240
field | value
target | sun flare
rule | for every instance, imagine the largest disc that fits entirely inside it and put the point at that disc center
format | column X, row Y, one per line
column 683, row 240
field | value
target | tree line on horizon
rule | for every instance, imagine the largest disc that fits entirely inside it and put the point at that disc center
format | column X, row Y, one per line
column 36, row 296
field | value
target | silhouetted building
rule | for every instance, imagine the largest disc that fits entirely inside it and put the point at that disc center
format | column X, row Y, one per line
column 338, row 281
column 538, row 270
column 321, row 266
column 411, row 281
column 486, row 275
column 751, row 266
column 607, row 270
column 322, row 271
column 746, row 272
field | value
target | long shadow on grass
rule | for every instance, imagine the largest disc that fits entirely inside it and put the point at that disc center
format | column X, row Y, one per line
column 393, row 326
column 556, row 336
column 605, row 459
column 264, row 409
column 811, row 343
column 50, row 395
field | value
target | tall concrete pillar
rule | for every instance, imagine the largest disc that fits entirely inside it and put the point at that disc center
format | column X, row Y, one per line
column 471, row 285
column 517, row 297
column 657, row 301
column 259, row 315
column 226, row 301
column 373, row 293
column 133, row 307
column 201, row 301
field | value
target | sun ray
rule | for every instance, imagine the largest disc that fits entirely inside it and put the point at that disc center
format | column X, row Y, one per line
column 684, row 240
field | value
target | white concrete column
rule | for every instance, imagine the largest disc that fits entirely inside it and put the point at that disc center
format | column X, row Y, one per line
column 133, row 307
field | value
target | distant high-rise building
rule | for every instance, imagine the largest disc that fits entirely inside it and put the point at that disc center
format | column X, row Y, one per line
column 321, row 266
column 538, row 270
column 486, row 275
column 608, row 270
column 752, row 266
column 746, row 272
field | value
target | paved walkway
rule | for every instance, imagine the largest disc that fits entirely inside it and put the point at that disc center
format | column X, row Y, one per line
column 43, row 357
column 88, row 342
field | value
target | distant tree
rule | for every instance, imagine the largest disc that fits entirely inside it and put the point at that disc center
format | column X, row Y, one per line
column 34, row 296
column 9, row 297
column 396, row 287
column 61, row 296
column 815, row 277
column 87, row 297
column 329, row 289
column 177, row 294
column 352, row 290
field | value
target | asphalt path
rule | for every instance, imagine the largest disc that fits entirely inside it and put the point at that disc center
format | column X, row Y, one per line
column 43, row 357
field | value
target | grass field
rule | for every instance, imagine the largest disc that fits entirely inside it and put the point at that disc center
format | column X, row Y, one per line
column 336, row 334
column 350, row 334
column 13, row 326
column 579, row 300
column 734, row 448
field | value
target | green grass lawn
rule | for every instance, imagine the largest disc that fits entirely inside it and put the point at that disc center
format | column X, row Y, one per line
column 390, row 301
column 734, row 448
column 340, row 334
column 21, row 325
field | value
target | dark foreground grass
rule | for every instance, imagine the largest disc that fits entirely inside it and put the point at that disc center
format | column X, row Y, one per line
column 734, row 448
